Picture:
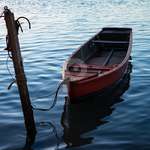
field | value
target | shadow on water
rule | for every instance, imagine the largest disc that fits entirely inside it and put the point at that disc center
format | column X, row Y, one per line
column 78, row 119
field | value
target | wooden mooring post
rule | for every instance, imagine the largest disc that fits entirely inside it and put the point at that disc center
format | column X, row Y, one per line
column 14, row 48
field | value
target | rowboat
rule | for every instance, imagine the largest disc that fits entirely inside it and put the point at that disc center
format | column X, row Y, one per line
column 99, row 63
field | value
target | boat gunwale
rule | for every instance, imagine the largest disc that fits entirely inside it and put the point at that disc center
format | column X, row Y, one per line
column 117, row 67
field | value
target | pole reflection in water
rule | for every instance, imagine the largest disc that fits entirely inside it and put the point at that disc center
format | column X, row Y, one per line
column 29, row 142
column 84, row 117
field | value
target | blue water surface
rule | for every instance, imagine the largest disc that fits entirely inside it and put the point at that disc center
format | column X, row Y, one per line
column 58, row 28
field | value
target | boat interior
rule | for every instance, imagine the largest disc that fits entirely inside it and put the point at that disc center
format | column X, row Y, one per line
column 107, row 48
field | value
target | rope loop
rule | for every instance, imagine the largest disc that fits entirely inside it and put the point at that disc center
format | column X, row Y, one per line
column 18, row 24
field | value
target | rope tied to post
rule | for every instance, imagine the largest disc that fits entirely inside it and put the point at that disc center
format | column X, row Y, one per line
column 9, row 42
column 12, row 46
column 18, row 26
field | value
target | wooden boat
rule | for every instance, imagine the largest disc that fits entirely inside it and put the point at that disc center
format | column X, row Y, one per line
column 99, row 63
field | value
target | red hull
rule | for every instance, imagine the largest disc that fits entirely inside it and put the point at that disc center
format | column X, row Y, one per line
column 83, row 88
column 96, row 82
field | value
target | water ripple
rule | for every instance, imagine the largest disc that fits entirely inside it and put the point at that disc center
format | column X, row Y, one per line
column 58, row 28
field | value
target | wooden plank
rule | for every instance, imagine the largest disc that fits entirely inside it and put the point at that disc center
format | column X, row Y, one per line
column 109, row 42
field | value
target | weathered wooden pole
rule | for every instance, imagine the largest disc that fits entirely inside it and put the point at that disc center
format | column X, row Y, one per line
column 14, row 48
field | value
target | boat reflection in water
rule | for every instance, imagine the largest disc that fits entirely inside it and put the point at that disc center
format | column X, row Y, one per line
column 78, row 119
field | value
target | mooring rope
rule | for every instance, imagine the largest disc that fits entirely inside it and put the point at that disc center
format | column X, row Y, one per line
column 49, row 95
column 55, row 98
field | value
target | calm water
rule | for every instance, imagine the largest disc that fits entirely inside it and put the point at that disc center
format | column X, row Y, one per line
column 58, row 28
